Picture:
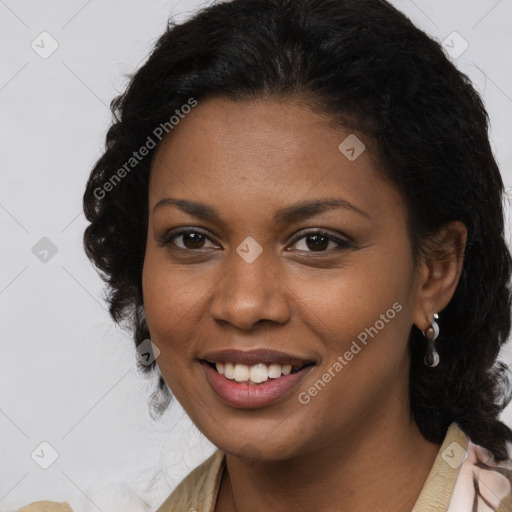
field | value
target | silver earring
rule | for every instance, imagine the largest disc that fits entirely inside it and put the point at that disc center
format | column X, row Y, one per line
column 431, row 358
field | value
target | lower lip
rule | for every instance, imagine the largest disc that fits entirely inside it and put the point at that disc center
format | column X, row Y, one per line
column 246, row 396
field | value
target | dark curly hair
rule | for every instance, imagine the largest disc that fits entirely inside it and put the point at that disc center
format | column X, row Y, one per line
column 364, row 64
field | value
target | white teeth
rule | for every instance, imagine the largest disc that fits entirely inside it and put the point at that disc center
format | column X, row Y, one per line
column 255, row 374
column 286, row 369
column 259, row 373
column 241, row 373
column 229, row 371
column 274, row 371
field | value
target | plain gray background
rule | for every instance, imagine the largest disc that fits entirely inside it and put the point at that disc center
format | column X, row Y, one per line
column 68, row 375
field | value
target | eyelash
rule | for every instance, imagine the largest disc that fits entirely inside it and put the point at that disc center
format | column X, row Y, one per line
column 342, row 244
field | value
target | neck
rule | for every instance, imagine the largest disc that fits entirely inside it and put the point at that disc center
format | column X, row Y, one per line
column 380, row 466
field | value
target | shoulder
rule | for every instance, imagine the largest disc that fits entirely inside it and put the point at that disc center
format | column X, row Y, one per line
column 465, row 477
column 198, row 490
column 46, row 506
column 482, row 484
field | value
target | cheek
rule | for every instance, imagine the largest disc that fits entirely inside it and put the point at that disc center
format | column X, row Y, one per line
column 170, row 292
column 362, row 322
column 168, row 304
column 342, row 304
column 169, row 301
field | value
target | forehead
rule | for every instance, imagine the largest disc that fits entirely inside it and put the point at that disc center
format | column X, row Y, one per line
column 265, row 153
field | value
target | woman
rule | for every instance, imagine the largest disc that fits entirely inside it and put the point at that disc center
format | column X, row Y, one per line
column 299, row 206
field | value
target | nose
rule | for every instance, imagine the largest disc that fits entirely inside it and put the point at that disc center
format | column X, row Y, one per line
column 249, row 293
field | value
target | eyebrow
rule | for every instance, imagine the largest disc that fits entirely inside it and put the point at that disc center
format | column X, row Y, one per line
column 287, row 214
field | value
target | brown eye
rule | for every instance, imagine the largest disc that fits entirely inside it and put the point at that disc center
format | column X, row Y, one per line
column 318, row 241
column 193, row 240
column 190, row 240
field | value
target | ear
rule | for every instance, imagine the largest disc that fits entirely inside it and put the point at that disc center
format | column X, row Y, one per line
column 438, row 272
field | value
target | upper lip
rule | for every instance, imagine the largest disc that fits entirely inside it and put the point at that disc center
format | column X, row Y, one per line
column 252, row 357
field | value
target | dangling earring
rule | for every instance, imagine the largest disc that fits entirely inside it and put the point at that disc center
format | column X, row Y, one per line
column 432, row 358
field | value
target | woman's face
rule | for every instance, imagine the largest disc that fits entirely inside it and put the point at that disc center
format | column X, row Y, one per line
column 297, row 254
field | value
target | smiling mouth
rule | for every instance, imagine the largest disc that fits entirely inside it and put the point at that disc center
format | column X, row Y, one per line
column 256, row 374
